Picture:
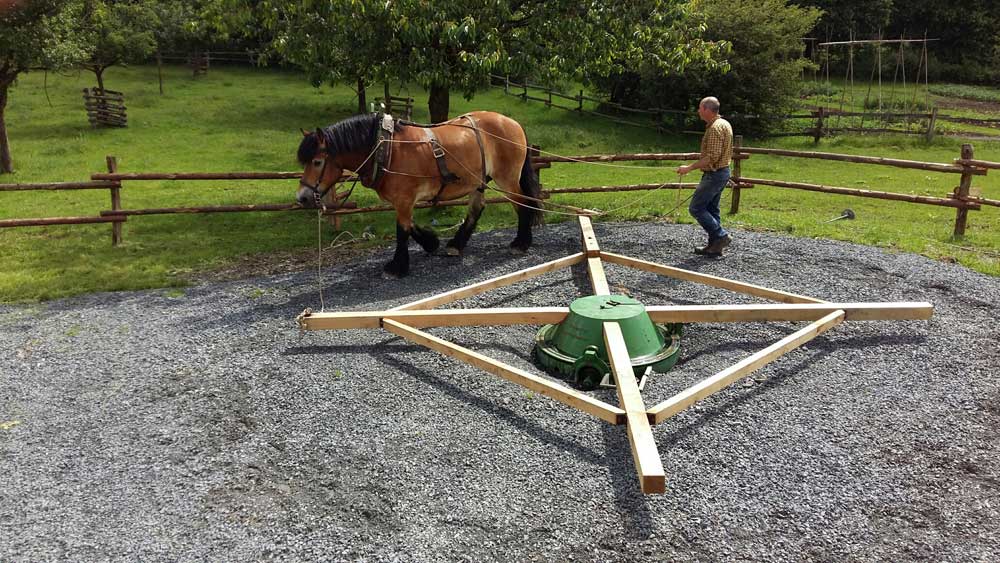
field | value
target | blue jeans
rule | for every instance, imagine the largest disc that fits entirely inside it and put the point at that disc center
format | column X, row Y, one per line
column 704, row 206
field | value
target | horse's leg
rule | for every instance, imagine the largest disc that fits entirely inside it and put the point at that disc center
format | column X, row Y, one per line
column 426, row 238
column 476, row 204
column 399, row 266
column 528, row 210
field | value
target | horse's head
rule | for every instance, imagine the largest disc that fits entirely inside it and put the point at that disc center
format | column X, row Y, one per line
column 321, row 169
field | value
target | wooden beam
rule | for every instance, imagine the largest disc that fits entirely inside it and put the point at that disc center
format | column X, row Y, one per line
column 895, row 311
column 728, row 376
column 927, row 200
column 448, row 317
column 658, row 313
column 913, row 164
column 714, row 281
column 598, row 281
column 482, row 287
column 537, row 384
column 589, row 238
column 640, row 435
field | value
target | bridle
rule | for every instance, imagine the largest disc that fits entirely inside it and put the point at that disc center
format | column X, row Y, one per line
column 315, row 189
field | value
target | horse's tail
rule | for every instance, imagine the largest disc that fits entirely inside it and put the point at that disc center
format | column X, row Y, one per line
column 531, row 188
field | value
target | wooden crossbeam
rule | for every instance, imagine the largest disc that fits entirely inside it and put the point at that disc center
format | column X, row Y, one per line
column 892, row 311
column 714, row 281
column 640, row 435
column 595, row 269
column 598, row 281
column 589, row 238
column 493, row 283
column 728, row 376
column 448, row 317
column 658, row 313
column 537, row 384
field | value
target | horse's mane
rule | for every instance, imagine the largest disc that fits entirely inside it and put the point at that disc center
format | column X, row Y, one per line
column 355, row 133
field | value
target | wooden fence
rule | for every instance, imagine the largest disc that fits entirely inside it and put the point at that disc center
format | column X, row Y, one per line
column 967, row 167
column 823, row 122
column 105, row 107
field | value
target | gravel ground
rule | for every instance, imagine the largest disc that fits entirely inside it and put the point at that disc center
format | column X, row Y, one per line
column 200, row 425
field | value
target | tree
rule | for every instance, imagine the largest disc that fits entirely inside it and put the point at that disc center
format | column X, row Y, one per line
column 118, row 32
column 333, row 41
column 759, row 76
column 969, row 46
column 862, row 18
column 456, row 45
column 33, row 34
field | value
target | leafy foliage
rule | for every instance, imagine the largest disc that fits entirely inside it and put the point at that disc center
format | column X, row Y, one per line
column 34, row 34
column 759, row 76
column 456, row 45
column 117, row 32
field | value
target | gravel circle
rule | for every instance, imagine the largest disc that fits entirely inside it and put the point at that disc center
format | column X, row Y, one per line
column 199, row 424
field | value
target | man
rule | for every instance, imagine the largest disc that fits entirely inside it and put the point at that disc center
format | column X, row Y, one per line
column 716, row 150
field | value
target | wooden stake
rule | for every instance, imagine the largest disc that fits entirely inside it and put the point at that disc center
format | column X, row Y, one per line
column 538, row 384
column 962, row 215
column 734, row 208
column 116, row 201
column 728, row 376
column 640, row 435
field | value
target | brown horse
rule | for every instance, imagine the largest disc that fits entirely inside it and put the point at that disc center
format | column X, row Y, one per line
column 406, row 163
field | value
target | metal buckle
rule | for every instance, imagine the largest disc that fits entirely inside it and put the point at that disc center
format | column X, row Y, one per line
column 437, row 149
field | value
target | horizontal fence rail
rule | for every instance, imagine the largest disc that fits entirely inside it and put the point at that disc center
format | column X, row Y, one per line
column 961, row 199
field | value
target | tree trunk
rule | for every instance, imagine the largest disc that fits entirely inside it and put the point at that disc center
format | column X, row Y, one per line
column 99, row 71
column 6, row 165
column 437, row 103
column 362, row 103
column 159, row 68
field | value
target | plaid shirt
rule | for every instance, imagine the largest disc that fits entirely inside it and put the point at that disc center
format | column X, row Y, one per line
column 717, row 144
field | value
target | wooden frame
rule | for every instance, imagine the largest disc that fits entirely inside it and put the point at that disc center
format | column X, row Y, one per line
column 406, row 320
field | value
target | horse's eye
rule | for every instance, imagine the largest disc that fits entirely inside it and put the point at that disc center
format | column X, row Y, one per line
column 317, row 163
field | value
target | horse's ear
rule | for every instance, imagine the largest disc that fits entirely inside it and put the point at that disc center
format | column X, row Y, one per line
column 304, row 132
column 319, row 135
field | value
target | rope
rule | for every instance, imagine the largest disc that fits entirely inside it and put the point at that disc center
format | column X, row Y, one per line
column 319, row 257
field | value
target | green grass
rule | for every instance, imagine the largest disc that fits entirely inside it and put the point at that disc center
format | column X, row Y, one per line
column 248, row 120
column 979, row 93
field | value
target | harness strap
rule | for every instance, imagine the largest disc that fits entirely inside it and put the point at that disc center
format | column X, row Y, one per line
column 447, row 176
column 383, row 154
column 482, row 151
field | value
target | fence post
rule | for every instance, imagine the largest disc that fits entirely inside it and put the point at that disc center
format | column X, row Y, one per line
column 931, row 123
column 549, row 103
column 819, row 125
column 962, row 192
column 506, row 84
column 524, row 95
column 116, row 200
column 534, row 151
column 737, row 143
column 579, row 102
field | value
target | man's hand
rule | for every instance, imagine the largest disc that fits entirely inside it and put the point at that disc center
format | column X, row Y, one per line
column 684, row 169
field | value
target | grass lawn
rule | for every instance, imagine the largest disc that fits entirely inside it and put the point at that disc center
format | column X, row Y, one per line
column 240, row 119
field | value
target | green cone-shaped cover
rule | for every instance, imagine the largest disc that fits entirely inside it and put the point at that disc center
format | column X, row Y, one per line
column 560, row 346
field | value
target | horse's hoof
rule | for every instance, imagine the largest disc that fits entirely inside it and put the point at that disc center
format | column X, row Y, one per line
column 393, row 273
column 518, row 250
column 453, row 251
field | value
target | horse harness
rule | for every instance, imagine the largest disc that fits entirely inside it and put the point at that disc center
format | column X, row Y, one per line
column 383, row 154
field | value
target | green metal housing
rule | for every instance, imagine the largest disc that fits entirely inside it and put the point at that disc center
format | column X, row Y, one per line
column 575, row 348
